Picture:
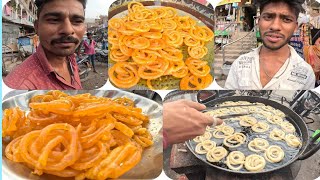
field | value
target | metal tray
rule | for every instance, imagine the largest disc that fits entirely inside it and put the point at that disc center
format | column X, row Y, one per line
column 203, row 15
column 150, row 165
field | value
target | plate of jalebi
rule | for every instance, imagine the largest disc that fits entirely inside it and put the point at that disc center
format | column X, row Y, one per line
column 160, row 45
column 81, row 135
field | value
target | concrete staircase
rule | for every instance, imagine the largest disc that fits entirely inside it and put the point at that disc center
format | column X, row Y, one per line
column 232, row 52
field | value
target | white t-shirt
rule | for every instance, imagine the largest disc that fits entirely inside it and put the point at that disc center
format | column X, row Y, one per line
column 245, row 73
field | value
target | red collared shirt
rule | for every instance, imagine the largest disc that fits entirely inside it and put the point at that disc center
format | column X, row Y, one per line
column 36, row 73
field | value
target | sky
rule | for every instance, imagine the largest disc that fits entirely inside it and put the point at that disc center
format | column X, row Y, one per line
column 97, row 7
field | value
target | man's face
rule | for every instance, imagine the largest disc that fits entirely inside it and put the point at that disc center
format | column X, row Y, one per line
column 277, row 23
column 61, row 26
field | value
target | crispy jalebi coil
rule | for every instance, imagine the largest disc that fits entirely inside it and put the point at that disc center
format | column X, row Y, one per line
column 115, row 23
column 235, row 160
column 277, row 134
column 37, row 118
column 124, row 101
column 171, row 54
column 118, row 161
column 152, row 35
column 156, row 25
column 117, row 55
column 39, row 148
column 223, row 132
column 185, row 22
column 288, row 127
column 137, row 26
column 205, row 146
column 157, row 44
column 60, row 106
column 143, row 140
column 254, row 163
column 174, row 66
column 292, row 140
column 205, row 136
column 124, row 75
column 173, row 38
column 181, row 73
column 197, row 52
column 89, row 139
column 202, row 33
column 198, row 67
column 113, row 37
column 247, row 121
column 12, row 150
column 136, row 42
column 144, row 56
column 275, row 119
column 260, row 127
column 274, row 154
column 153, row 70
column 13, row 118
column 258, row 145
column 192, row 82
column 170, row 13
column 216, row 154
column 234, row 140
column 191, row 42
column 126, row 51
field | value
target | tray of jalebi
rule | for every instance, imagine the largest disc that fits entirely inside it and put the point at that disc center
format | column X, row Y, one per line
column 160, row 45
column 81, row 135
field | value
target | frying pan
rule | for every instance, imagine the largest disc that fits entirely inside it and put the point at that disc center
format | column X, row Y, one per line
column 307, row 149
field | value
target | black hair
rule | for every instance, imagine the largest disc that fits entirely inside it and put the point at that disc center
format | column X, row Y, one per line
column 41, row 3
column 295, row 5
column 89, row 33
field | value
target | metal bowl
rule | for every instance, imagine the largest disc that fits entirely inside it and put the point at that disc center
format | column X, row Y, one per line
column 150, row 165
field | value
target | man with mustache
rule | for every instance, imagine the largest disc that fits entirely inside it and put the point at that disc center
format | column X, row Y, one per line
column 275, row 64
column 60, row 27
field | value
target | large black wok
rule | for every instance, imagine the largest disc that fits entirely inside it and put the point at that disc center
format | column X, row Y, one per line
column 308, row 148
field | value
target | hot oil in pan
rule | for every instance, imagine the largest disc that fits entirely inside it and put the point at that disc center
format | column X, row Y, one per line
column 290, row 152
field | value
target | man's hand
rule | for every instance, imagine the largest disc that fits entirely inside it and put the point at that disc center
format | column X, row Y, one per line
column 182, row 120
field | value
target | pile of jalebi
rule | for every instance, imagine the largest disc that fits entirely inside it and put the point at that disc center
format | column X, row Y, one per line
column 79, row 136
column 147, row 43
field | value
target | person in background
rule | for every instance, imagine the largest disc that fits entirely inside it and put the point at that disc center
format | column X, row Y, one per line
column 182, row 120
column 60, row 27
column 89, row 46
column 275, row 64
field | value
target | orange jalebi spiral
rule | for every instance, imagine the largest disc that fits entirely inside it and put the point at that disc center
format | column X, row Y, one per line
column 173, row 38
column 198, row 67
column 181, row 72
column 115, row 23
column 12, row 120
column 157, row 44
column 191, row 42
column 117, row 55
column 174, row 66
column 202, row 33
column 192, row 82
column 185, row 22
column 144, row 56
column 169, row 24
column 124, row 75
column 154, row 69
column 137, row 26
column 171, row 54
column 136, row 42
column 197, row 52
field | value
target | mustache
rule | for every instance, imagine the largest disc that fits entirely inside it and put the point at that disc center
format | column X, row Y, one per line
column 273, row 33
column 65, row 39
